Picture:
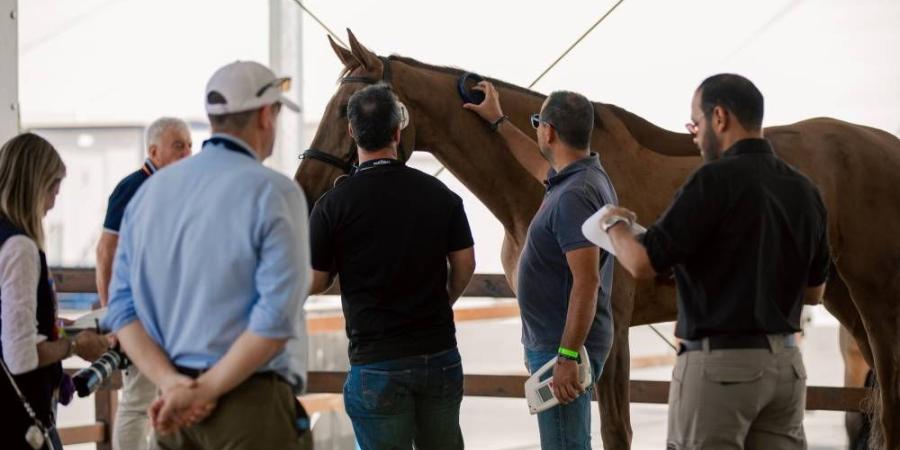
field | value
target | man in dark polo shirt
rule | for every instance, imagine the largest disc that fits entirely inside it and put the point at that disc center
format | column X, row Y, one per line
column 389, row 232
column 746, row 238
column 564, row 281
column 168, row 140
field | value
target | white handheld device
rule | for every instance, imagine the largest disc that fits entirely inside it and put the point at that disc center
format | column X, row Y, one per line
column 539, row 394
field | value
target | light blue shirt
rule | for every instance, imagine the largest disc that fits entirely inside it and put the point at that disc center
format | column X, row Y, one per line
column 210, row 247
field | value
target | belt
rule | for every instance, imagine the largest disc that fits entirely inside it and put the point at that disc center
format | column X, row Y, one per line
column 735, row 342
column 195, row 373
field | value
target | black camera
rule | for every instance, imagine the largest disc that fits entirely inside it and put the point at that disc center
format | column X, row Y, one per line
column 89, row 379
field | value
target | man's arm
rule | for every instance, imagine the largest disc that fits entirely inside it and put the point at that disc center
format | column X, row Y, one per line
column 106, row 252
column 584, row 263
column 462, row 267
column 632, row 255
column 321, row 282
column 524, row 148
column 814, row 294
column 149, row 357
column 821, row 264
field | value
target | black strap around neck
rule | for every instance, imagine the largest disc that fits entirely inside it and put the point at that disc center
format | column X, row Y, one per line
column 228, row 144
column 378, row 163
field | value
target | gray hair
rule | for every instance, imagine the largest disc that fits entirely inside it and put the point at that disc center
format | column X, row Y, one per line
column 161, row 125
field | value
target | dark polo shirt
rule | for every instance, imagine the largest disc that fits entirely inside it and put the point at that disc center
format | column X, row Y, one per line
column 122, row 194
column 545, row 281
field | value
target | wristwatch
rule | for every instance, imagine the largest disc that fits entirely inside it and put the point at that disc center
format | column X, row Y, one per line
column 612, row 221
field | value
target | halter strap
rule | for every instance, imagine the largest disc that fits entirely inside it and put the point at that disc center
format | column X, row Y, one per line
column 346, row 164
column 318, row 155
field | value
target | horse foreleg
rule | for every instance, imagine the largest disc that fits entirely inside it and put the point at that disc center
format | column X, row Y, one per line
column 612, row 393
column 509, row 258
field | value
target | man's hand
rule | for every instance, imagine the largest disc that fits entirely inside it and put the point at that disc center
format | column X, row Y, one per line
column 180, row 406
column 89, row 345
column 176, row 380
column 566, row 387
column 619, row 211
column 489, row 109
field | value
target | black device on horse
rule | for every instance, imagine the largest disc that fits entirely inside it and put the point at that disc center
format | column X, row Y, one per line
column 464, row 87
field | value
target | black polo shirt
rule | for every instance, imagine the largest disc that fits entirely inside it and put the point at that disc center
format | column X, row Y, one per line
column 745, row 235
column 386, row 231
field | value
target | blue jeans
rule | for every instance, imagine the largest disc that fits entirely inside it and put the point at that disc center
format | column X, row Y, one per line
column 415, row 399
column 565, row 427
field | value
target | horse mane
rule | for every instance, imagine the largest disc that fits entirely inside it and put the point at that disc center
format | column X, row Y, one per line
column 649, row 135
column 457, row 72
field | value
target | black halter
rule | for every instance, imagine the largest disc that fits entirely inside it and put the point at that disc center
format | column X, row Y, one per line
column 347, row 163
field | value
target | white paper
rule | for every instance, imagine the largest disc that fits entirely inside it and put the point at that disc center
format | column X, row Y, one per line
column 87, row 321
column 593, row 231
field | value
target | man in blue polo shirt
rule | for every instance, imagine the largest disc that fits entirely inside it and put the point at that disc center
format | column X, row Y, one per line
column 168, row 140
column 564, row 281
column 210, row 278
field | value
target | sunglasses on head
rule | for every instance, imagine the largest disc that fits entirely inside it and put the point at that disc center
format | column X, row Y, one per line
column 283, row 84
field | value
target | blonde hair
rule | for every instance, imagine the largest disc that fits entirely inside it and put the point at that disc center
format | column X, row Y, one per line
column 29, row 168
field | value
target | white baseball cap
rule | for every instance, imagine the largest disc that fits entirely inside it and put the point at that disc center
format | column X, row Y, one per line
column 245, row 86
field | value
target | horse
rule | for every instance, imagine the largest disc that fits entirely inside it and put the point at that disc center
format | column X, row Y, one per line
column 852, row 165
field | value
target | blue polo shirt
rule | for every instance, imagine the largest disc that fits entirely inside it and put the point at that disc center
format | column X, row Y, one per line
column 544, row 280
column 122, row 195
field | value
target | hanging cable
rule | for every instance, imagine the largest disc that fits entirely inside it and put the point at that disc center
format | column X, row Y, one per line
column 661, row 336
column 322, row 24
column 598, row 22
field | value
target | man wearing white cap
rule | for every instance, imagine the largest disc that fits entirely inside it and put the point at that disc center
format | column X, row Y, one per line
column 210, row 278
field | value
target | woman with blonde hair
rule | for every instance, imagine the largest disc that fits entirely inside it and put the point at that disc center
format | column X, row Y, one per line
column 32, row 347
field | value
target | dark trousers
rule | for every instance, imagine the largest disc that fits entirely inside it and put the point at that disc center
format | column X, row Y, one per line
column 396, row 403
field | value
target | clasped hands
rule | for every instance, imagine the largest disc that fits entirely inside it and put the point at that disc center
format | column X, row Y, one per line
column 183, row 402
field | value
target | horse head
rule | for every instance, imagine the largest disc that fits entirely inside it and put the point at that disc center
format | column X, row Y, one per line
column 332, row 153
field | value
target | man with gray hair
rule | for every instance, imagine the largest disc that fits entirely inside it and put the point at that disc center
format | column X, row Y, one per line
column 168, row 140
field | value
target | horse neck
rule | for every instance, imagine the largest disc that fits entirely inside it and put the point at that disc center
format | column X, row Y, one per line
column 646, row 163
column 650, row 136
column 477, row 157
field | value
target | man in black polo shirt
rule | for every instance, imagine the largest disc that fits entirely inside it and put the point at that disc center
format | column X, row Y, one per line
column 389, row 232
column 746, row 238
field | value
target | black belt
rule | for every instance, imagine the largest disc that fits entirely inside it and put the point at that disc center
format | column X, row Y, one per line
column 195, row 373
column 735, row 342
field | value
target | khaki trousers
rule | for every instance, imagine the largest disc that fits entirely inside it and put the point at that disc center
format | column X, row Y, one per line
column 132, row 426
column 737, row 399
column 258, row 414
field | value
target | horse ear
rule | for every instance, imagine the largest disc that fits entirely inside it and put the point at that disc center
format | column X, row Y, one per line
column 365, row 56
column 343, row 54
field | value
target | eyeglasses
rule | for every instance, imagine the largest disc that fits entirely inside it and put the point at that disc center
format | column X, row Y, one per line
column 692, row 128
column 536, row 121
column 283, row 84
